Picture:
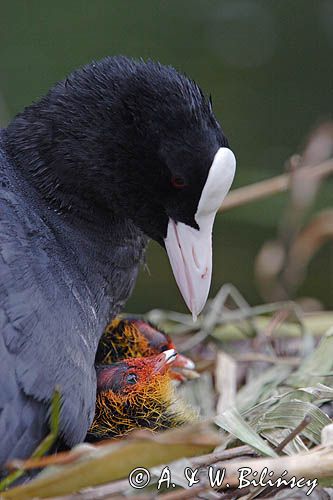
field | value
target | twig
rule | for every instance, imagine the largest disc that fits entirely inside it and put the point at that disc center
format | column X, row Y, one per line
column 301, row 426
column 61, row 458
column 257, row 357
column 211, row 318
column 105, row 491
column 217, row 456
column 269, row 187
column 288, row 305
column 185, row 494
column 317, row 324
column 277, row 319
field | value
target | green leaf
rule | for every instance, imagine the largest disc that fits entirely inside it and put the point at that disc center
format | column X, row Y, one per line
column 232, row 421
column 261, row 387
column 289, row 415
column 320, row 361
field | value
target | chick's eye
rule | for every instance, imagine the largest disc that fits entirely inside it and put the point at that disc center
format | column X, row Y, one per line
column 178, row 182
column 131, row 378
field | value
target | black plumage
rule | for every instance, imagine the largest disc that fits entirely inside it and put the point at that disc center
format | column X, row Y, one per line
column 86, row 177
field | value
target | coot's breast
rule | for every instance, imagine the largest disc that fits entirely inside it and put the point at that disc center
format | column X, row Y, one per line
column 58, row 289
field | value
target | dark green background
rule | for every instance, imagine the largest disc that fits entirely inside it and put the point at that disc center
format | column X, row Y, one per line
column 267, row 64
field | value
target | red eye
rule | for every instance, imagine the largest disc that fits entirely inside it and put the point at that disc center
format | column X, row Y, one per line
column 178, row 182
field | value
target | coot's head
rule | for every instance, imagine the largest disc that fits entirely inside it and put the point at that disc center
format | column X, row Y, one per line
column 136, row 140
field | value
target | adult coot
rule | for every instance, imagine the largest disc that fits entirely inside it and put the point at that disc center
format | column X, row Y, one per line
column 119, row 152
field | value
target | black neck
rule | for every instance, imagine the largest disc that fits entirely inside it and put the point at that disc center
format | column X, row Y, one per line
column 64, row 145
column 41, row 167
column 80, row 222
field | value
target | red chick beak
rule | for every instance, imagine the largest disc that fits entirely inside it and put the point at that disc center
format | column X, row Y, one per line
column 182, row 368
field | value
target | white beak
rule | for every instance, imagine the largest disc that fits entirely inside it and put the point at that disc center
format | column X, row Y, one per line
column 190, row 250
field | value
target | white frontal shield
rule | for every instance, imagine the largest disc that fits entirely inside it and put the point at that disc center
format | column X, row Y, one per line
column 190, row 250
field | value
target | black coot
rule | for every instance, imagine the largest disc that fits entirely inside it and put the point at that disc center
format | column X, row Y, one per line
column 119, row 152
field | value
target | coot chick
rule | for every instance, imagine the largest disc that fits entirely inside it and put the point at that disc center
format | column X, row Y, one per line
column 135, row 338
column 137, row 393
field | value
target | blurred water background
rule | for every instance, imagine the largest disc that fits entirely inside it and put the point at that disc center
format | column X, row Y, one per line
column 267, row 64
